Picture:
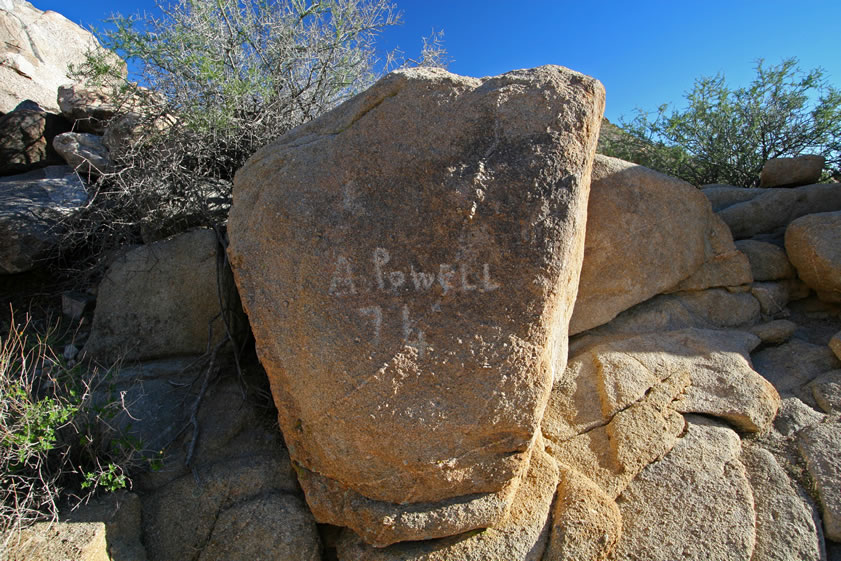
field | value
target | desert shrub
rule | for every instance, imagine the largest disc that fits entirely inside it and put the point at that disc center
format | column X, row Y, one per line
column 725, row 135
column 221, row 78
column 56, row 444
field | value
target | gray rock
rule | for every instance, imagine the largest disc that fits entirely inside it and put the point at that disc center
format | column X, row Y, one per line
column 768, row 261
column 791, row 172
column 795, row 416
column 694, row 504
column 83, row 152
column 274, row 526
column 787, row 524
column 121, row 514
column 794, row 364
column 374, row 353
column 159, row 300
column 835, row 344
column 773, row 297
column 819, row 446
column 32, row 208
column 723, row 196
column 774, row 332
column 771, row 210
column 715, row 308
column 827, row 391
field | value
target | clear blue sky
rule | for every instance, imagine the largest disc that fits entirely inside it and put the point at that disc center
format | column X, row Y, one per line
column 644, row 52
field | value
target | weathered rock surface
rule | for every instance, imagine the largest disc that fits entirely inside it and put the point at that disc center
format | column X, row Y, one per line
column 724, row 265
column 59, row 541
column 646, row 232
column 835, row 344
column 274, row 526
column 774, row 332
column 819, row 446
column 35, row 50
column 785, row 520
column 695, row 503
column 522, row 536
column 180, row 518
column 770, row 210
column 159, row 300
column 83, row 152
column 88, row 108
column 795, row 416
column 32, row 207
column 826, row 389
column 121, row 514
column 706, row 309
column 586, row 523
column 773, row 297
column 722, row 196
column 791, row 172
column 411, row 355
column 26, row 136
column 813, row 244
column 794, row 364
column 382, row 523
column 768, row 262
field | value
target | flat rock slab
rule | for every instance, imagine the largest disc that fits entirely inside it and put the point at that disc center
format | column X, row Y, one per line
column 694, row 504
column 32, row 207
column 785, row 521
column 522, row 536
column 408, row 263
column 819, row 446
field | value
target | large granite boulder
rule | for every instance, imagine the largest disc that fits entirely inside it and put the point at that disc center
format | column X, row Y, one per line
column 819, row 446
column 32, row 208
column 84, row 152
column 36, row 49
column 813, row 244
column 646, row 232
column 791, row 172
column 88, row 108
column 408, row 263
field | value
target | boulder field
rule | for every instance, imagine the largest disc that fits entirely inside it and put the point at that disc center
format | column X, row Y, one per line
column 480, row 341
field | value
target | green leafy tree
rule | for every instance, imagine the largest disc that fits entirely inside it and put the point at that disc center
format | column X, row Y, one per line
column 726, row 135
column 221, row 79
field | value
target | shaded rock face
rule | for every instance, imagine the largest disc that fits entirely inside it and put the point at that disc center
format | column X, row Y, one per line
column 791, row 172
column 83, row 152
column 89, row 109
column 159, row 300
column 35, row 50
column 26, row 136
column 813, row 244
column 819, row 446
column 646, row 232
column 408, row 262
column 32, row 207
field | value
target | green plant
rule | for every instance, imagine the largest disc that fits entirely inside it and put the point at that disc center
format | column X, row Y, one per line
column 54, row 442
column 221, row 79
column 726, row 135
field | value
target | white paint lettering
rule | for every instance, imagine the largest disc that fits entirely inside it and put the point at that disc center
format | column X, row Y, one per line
column 408, row 331
column 488, row 285
column 375, row 314
column 445, row 276
column 465, row 283
column 381, row 257
column 341, row 283
column 397, row 279
column 421, row 280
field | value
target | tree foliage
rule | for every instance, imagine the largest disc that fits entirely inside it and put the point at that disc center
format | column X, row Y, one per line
column 726, row 135
column 221, row 79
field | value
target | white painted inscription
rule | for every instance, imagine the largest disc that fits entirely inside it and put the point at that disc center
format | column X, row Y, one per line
column 451, row 278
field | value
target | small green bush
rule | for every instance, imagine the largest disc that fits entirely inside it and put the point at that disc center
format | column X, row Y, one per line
column 726, row 135
column 55, row 444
